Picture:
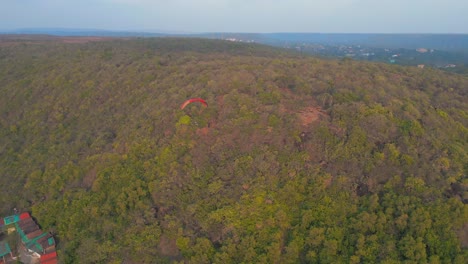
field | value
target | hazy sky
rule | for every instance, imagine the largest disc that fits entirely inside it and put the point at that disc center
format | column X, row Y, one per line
column 323, row 16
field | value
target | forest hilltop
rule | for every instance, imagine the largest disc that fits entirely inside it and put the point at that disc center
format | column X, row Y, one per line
column 294, row 160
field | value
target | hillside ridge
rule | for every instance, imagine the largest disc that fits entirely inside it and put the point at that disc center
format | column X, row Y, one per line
column 295, row 159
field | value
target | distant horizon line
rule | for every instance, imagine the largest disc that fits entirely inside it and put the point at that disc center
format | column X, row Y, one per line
column 178, row 32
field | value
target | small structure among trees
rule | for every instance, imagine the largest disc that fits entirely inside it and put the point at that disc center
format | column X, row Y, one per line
column 5, row 250
column 34, row 245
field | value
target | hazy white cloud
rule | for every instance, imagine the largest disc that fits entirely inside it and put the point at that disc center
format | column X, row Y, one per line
column 241, row 15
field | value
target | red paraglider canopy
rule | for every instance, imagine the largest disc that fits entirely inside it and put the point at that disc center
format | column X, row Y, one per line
column 193, row 100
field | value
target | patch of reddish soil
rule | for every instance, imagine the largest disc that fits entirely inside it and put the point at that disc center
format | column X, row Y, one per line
column 89, row 178
column 220, row 100
column 463, row 235
column 310, row 115
column 168, row 246
column 203, row 131
column 328, row 181
column 282, row 109
column 167, row 132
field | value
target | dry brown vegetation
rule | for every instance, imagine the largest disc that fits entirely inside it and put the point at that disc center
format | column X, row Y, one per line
column 295, row 159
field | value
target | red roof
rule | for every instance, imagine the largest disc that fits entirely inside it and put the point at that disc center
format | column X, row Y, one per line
column 50, row 258
column 50, row 261
column 24, row 215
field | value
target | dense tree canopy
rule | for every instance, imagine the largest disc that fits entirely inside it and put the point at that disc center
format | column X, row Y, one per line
column 295, row 160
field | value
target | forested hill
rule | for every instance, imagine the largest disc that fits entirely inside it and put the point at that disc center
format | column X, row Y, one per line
column 295, row 159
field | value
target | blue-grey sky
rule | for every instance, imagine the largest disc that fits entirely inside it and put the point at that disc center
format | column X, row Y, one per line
column 322, row 16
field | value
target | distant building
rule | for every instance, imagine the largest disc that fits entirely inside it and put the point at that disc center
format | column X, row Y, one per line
column 421, row 66
column 421, row 50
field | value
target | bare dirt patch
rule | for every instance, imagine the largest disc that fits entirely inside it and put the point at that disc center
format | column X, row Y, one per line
column 168, row 246
column 203, row 131
column 89, row 178
column 310, row 114
column 220, row 100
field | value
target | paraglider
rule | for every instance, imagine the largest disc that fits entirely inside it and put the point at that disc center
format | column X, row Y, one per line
column 200, row 100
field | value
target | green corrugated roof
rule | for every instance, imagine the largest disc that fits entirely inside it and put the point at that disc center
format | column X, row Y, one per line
column 11, row 219
column 51, row 241
column 30, row 243
column 4, row 249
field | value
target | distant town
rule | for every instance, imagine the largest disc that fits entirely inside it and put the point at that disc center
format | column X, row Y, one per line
column 411, row 57
column 448, row 52
column 419, row 57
